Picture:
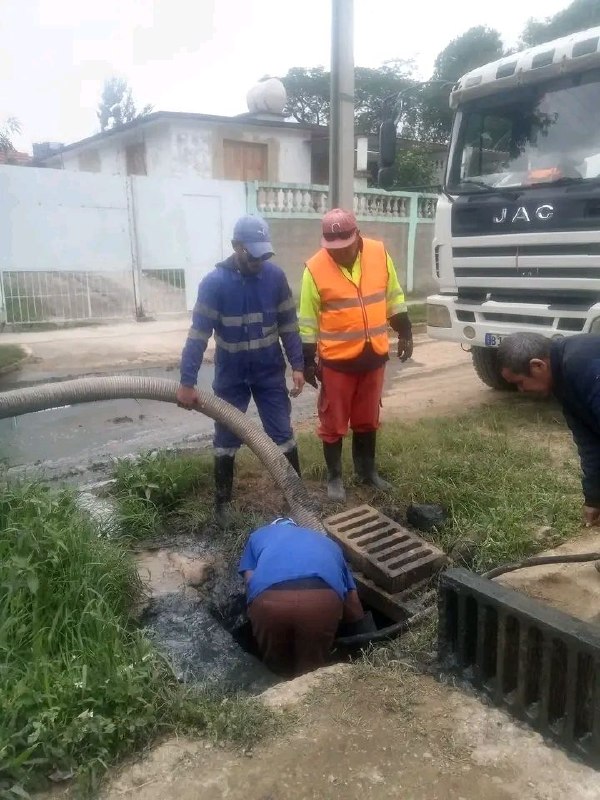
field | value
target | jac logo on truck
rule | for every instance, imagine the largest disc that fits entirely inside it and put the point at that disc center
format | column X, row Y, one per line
column 542, row 213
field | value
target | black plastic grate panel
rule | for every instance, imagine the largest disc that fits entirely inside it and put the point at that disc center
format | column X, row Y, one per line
column 537, row 662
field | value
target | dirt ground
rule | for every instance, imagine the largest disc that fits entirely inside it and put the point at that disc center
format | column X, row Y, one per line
column 383, row 735
column 573, row 588
column 100, row 347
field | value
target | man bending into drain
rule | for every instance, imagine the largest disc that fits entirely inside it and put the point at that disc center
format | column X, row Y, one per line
column 298, row 588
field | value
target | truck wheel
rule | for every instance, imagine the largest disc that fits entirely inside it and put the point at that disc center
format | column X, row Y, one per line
column 485, row 361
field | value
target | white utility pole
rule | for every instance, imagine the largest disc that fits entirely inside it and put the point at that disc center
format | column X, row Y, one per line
column 341, row 124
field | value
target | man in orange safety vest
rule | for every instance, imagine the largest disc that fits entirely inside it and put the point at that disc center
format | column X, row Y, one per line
column 350, row 293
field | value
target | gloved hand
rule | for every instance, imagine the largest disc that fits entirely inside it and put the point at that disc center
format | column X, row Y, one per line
column 405, row 347
column 401, row 324
column 311, row 371
column 310, row 374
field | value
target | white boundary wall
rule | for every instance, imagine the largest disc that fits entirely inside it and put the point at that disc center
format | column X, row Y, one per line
column 76, row 246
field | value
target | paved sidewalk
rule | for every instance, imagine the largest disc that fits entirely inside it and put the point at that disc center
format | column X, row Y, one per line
column 100, row 347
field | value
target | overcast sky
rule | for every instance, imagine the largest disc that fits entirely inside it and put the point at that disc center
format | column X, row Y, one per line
column 203, row 55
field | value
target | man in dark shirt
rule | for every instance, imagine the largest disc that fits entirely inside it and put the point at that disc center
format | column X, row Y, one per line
column 569, row 369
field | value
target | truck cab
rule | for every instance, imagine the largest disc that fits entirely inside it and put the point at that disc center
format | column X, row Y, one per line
column 517, row 230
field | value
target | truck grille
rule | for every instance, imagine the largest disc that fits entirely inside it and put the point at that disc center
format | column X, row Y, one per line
column 527, row 272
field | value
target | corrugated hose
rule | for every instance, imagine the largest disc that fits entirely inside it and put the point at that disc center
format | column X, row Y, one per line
column 90, row 390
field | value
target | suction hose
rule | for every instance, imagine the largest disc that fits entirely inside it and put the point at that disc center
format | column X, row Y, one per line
column 90, row 390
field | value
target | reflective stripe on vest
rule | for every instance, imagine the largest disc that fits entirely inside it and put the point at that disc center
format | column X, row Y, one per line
column 351, row 315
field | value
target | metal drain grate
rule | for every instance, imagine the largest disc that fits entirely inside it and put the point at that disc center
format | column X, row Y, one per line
column 539, row 663
column 390, row 555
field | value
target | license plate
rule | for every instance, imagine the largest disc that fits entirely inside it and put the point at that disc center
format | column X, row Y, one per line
column 492, row 339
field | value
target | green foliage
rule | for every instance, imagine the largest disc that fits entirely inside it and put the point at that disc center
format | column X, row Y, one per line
column 413, row 168
column 470, row 50
column 308, row 93
column 150, row 487
column 116, row 105
column 578, row 16
column 10, row 354
column 8, row 129
column 79, row 685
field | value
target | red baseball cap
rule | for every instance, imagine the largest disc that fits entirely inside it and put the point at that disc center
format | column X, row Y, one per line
column 339, row 229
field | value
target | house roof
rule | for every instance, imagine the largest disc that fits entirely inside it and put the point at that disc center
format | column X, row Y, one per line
column 182, row 116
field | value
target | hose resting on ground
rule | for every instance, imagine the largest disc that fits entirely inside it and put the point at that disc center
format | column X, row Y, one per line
column 539, row 561
column 90, row 390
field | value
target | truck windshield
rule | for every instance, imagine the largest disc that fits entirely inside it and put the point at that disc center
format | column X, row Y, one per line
column 545, row 133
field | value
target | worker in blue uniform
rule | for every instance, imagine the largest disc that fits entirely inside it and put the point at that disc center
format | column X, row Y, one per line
column 247, row 303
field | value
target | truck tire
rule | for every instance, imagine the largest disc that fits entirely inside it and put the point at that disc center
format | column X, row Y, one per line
column 485, row 361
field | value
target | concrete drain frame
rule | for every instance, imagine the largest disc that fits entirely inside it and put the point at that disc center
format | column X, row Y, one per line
column 538, row 663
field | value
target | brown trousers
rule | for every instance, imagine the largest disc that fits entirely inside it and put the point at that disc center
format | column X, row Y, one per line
column 295, row 628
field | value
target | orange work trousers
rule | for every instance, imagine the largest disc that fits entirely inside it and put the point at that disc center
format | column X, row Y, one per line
column 349, row 399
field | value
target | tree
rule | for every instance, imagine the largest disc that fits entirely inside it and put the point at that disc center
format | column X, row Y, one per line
column 472, row 49
column 581, row 14
column 116, row 105
column 413, row 169
column 308, row 93
column 373, row 88
column 8, row 129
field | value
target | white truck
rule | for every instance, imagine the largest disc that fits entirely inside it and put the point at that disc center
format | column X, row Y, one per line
column 517, row 230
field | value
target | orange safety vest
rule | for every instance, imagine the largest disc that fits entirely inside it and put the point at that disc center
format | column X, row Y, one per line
column 352, row 315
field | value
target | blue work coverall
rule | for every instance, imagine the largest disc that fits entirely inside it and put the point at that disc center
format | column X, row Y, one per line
column 249, row 315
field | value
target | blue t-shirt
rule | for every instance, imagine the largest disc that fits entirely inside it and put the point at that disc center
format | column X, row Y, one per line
column 278, row 553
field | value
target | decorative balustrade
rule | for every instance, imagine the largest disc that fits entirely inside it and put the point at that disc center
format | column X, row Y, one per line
column 297, row 200
column 426, row 205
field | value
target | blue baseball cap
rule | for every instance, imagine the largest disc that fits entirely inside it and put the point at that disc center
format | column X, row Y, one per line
column 253, row 233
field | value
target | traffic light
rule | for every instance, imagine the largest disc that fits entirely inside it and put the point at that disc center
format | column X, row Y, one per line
column 385, row 177
column 387, row 153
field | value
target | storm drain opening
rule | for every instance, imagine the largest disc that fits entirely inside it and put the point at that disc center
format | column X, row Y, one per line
column 205, row 632
column 540, row 664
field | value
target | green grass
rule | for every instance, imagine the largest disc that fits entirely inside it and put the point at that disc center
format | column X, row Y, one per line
column 79, row 684
column 504, row 474
column 149, row 488
column 10, row 354
column 508, row 476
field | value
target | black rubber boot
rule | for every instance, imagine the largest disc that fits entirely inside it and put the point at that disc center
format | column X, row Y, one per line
column 363, row 455
column 333, row 458
column 294, row 459
column 223, row 488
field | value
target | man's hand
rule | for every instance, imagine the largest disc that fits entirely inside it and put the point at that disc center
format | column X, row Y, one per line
column 310, row 374
column 591, row 516
column 405, row 348
column 298, row 378
column 187, row 397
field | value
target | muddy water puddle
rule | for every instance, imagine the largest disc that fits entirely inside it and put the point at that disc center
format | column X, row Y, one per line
column 196, row 600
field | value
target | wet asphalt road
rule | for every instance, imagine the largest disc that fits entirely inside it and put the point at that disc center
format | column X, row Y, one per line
column 79, row 442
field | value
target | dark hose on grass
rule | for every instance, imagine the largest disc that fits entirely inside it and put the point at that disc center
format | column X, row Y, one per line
column 539, row 561
column 90, row 390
